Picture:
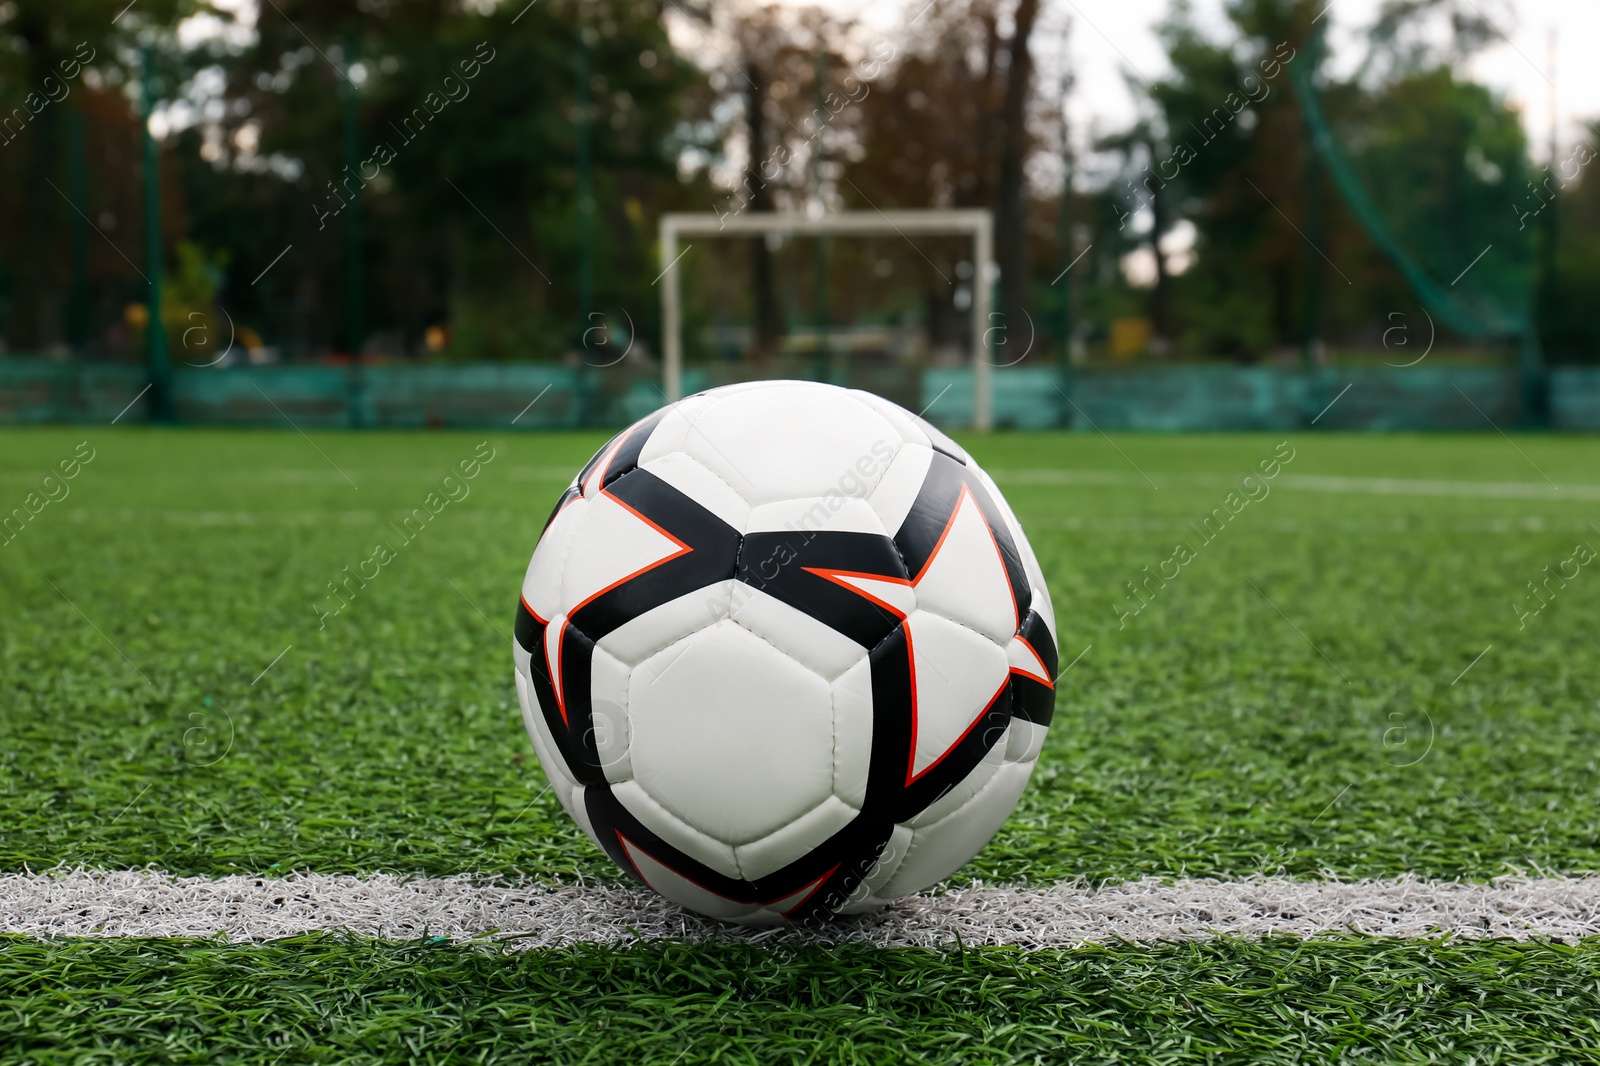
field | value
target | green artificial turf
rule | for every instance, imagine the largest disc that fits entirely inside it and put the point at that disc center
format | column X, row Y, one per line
column 1310, row 722
column 322, row 999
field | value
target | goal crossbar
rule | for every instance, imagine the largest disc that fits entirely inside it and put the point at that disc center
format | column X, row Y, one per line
column 974, row 223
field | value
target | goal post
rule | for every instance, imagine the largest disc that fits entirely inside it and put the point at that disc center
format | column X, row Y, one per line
column 975, row 223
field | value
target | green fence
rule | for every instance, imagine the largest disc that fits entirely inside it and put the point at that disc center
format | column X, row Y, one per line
column 544, row 396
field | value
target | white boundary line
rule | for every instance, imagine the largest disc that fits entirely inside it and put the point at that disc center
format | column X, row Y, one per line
column 149, row 903
column 1361, row 486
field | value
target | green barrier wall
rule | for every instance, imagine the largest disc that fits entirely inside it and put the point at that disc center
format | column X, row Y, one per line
column 544, row 396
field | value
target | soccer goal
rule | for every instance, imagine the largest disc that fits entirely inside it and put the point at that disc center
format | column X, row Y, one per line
column 974, row 223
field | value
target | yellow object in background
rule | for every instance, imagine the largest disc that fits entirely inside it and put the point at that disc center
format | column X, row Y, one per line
column 1129, row 337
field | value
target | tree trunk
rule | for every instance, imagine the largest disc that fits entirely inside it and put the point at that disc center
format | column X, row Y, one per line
column 36, row 322
column 758, row 197
column 1011, row 202
column 1161, row 295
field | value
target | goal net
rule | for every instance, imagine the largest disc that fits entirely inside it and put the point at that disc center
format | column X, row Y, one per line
column 904, row 303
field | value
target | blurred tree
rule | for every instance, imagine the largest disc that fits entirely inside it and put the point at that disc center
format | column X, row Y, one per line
column 468, row 143
column 1272, row 236
column 780, row 83
column 1142, row 150
column 1011, row 193
column 946, row 125
column 59, row 57
column 1568, row 325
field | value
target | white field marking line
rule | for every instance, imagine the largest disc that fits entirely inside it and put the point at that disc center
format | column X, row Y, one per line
column 307, row 475
column 1108, row 440
column 308, row 440
column 486, row 516
column 149, row 903
column 1502, row 433
column 1370, row 486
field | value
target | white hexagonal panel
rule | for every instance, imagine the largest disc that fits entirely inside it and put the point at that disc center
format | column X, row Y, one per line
column 639, row 638
column 702, row 486
column 680, row 889
column 852, row 731
column 561, row 782
column 939, row 850
column 773, row 852
column 826, row 652
column 670, row 826
column 833, row 513
column 903, row 421
column 747, row 438
column 608, row 714
column 729, row 733
column 541, row 585
column 897, row 490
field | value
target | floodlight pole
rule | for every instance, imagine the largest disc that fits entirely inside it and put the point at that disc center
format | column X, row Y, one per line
column 977, row 224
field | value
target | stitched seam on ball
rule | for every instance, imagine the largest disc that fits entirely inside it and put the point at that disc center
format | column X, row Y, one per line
column 780, row 651
column 833, row 718
column 955, row 622
column 694, row 428
column 928, row 829
column 668, row 809
column 725, row 482
column 561, row 563
column 865, row 399
column 674, row 639
column 834, row 769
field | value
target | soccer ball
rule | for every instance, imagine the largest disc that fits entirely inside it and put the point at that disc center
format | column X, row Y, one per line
column 785, row 653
